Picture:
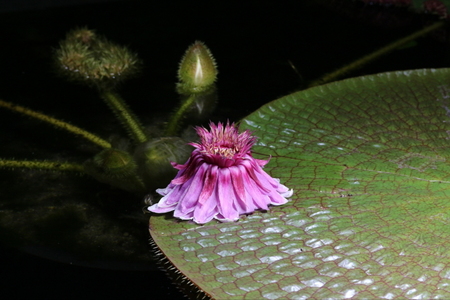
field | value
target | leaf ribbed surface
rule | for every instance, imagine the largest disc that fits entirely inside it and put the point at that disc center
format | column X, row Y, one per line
column 370, row 216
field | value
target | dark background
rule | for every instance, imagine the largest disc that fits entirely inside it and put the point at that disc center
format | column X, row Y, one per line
column 254, row 43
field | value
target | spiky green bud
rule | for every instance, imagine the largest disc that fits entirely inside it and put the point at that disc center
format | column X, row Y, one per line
column 155, row 156
column 86, row 57
column 117, row 168
column 197, row 72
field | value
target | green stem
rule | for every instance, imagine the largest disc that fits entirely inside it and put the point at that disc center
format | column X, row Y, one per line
column 374, row 55
column 173, row 125
column 58, row 123
column 41, row 165
column 126, row 117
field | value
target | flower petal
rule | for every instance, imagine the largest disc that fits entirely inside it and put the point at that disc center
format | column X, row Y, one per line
column 226, row 197
column 250, row 167
column 210, row 184
column 206, row 212
column 159, row 210
column 258, row 198
column 242, row 205
column 189, row 199
column 189, row 169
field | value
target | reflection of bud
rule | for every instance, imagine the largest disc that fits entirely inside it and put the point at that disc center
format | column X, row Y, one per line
column 86, row 57
column 202, row 106
column 197, row 71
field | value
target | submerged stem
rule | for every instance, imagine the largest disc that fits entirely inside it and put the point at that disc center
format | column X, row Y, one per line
column 173, row 125
column 41, row 165
column 125, row 115
column 374, row 55
column 58, row 123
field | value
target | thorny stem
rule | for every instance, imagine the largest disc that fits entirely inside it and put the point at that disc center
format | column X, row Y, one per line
column 126, row 117
column 42, row 165
column 58, row 123
column 374, row 55
column 172, row 126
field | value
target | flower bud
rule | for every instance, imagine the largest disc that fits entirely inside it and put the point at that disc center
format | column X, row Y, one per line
column 197, row 71
column 84, row 56
column 155, row 156
column 116, row 168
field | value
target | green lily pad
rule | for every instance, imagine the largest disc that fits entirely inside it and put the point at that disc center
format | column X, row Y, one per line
column 370, row 216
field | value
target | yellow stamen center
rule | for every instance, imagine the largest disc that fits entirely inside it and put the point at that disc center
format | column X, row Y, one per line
column 223, row 151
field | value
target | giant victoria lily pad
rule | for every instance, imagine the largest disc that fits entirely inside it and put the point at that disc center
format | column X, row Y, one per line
column 370, row 216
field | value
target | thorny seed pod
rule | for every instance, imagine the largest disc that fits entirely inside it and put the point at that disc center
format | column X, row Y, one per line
column 85, row 57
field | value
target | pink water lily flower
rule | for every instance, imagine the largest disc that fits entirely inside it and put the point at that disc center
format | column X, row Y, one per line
column 221, row 179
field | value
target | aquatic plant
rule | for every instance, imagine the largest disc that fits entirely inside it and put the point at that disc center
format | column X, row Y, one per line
column 324, row 180
column 367, row 158
column 141, row 163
